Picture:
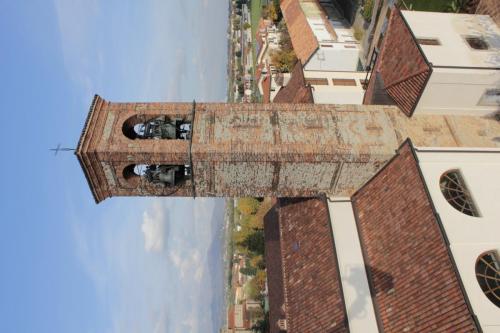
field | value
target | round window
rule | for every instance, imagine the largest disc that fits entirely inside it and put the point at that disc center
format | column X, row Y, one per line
column 456, row 193
column 488, row 276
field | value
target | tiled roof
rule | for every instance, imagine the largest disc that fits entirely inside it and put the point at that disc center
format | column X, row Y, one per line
column 312, row 291
column 266, row 88
column 274, row 269
column 401, row 69
column 296, row 90
column 230, row 317
column 258, row 72
column 303, row 40
column 413, row 280
column 491, row 8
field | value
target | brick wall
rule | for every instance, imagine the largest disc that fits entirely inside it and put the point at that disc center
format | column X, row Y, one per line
column 413, row 279
column 313, row 294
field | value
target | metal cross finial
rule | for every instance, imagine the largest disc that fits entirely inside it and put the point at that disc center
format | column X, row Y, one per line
column 58, row 149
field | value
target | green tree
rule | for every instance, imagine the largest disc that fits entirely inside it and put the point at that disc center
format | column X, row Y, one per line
column 258, row 262
column 367, row 10
column 250, row 271
column 256, row 285
column 262, row 326
column 272, row 12
column 254, row 242
column 248, row 206
column 283, row 60
column 457, row 6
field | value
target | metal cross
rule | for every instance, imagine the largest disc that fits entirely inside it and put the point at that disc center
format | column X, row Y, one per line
column 58, row 149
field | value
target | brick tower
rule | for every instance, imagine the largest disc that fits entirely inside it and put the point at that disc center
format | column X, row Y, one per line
column 237, row 150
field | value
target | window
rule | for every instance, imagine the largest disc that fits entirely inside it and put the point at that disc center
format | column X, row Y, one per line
column 477, row 43
column 456, row 193
column 428, row 41
column 156, row 127
column 491, row 97
column 344, row 82
column 161, row 174
column 488, row 276
column 317, row 81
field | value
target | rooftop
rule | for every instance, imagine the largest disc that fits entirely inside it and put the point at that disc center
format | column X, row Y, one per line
column 311, row 284
column 451, row 32
column 296, row 90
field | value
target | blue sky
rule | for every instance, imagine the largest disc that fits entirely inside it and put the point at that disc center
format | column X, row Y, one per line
column 128, row 264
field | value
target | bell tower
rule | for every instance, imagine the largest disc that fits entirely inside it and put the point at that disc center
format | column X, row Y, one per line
column 137, row 149
column 238, row 150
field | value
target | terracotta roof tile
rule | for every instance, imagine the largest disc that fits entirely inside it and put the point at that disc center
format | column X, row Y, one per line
column 412, row 275
column 266, row 88
column 296, row 90
column 303, row 40
column 401, row 69
column 274, row 269
column 312, row 291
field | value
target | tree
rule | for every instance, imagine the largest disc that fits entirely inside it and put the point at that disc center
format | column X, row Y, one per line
column 285, row 41
column 283, row 60
column 258, row 262
column 457, row 6
column 367, row 10
column 249, row 271
column 248, row 206
column 262, row 326
column 247, row 26
column 254, row 242
column 272, row 12
column 241, row 89
column 256, row 285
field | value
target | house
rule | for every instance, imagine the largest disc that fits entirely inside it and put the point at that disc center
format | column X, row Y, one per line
column 321, row 38
column 438, row 63
column 295, row 90
column 415, row 249
column 336, row 87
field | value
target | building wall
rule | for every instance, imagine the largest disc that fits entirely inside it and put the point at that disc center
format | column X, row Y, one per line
column 412, row 275
column 458, row 91
column 450, row 30
column 469, row 236
column 336, row 58
column 281, row 150
column 337, row 94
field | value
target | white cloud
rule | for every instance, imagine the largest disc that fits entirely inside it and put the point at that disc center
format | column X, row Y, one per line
column 187, row 262
column 153, row 227
column 75, row 19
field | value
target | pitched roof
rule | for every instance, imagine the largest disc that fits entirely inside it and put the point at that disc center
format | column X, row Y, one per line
column 303, row 39
column 274, row 269
column 312, row 291
column 412, row 276
column 266, row 88
column 296, row 91
column 401, row 69
column 491, row 8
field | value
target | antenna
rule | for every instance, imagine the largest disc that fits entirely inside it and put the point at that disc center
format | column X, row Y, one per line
column 58, row 149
